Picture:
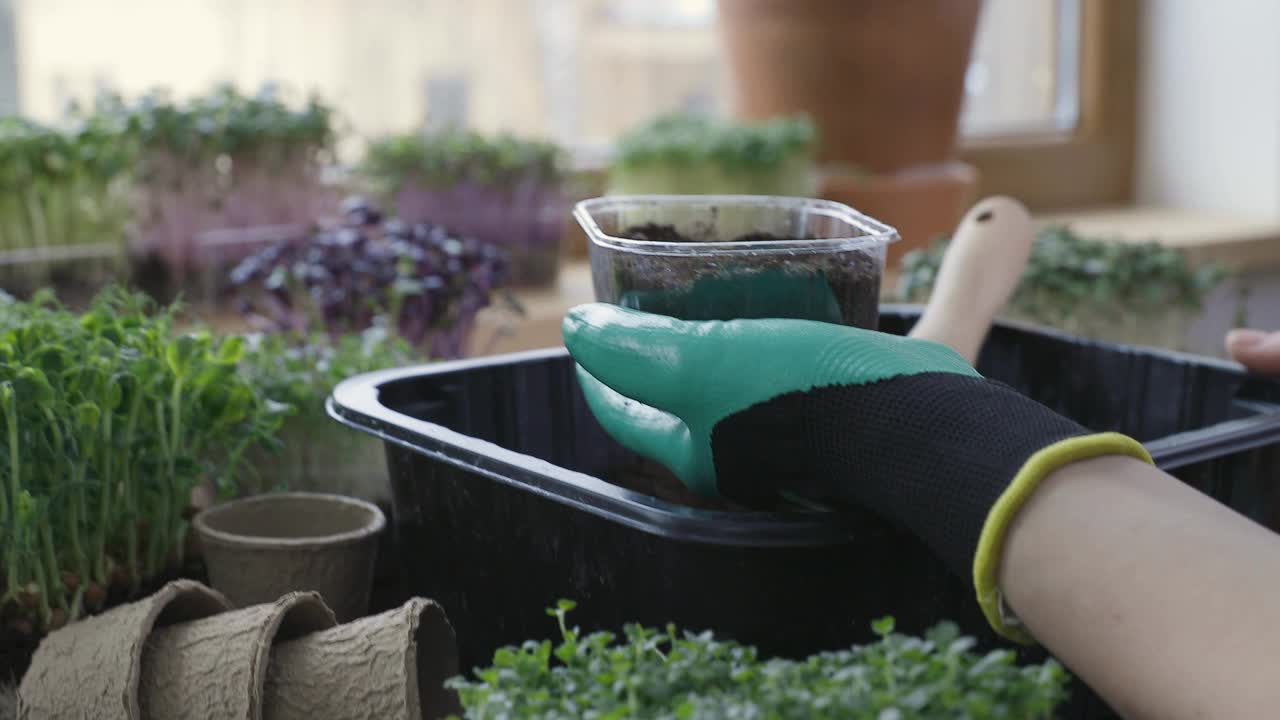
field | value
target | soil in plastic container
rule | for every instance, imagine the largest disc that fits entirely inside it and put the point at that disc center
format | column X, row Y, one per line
column 841, row 286
column 650, row 478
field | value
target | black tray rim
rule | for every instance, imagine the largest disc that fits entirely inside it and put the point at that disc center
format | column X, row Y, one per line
column 354, row 403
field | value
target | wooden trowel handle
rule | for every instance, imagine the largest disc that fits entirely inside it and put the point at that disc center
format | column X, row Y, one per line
column 981, row 268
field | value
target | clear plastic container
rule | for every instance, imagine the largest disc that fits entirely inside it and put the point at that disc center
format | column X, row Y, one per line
column 724, row 257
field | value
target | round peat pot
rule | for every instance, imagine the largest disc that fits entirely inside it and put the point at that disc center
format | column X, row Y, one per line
column 94, row 668
column 392, row 666
column 262, row 547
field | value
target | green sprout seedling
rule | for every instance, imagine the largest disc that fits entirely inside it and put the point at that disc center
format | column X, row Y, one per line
column 451, row 157
column 1123, row 292
column 669, row 674
column 688, row 154
column 62, row 186
column 107, row 421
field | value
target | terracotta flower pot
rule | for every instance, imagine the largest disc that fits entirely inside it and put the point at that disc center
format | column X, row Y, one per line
column 93, row 668
column 882, row 79
column 215, row 668
column 390, row 666
column 259, row 548
column 922, row 203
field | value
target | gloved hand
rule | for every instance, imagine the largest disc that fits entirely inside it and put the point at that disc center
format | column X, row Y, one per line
column 905, row 427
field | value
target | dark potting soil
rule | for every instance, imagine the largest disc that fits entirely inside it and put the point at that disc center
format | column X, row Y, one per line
column 650, row 478
column 840, row 287
column 653, row 232
column 762, row 237
column 17, row 646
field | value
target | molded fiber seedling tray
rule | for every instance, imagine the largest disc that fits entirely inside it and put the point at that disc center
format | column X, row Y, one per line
column 501, row 505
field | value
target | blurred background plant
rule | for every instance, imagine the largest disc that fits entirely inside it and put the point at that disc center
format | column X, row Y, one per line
column 221, row 160
column 499, row 189
column 1139, row 293
column 360, row 294
column 683, row 153
column 312, row 452
column 318, row 454
column 425, row 283
column 364, row 293
column 64, row 206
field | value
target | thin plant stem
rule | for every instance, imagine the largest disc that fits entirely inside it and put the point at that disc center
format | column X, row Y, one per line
column 129, row 492
column 159, row 525
column 99, row 565
column 42, row 581
column 50, row 560
column 11, row 419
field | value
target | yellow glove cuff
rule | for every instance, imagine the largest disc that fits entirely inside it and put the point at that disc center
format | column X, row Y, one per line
column 986, row 563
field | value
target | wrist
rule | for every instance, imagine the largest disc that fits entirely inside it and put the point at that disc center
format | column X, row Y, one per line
column 1027, row 570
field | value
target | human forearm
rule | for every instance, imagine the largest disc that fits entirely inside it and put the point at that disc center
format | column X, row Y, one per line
column 1164, row 601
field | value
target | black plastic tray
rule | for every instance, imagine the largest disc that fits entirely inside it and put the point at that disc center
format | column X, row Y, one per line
column 500, row 509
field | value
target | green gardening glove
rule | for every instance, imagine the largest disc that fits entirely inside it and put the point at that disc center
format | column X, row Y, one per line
column 749, row 409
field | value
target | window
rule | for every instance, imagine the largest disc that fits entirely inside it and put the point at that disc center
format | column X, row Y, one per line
column 581, row 71
column 1024, row 69
column 1051, row 82
column 1083, row 152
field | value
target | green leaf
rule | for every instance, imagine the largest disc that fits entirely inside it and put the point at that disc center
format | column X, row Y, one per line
column 113, row 397
column 33, row 387
column 231, row 350
column 26, row 507
column 882, row 626
column 181, row 354
column 213, row 375
column 87, row 416
column 239, row 401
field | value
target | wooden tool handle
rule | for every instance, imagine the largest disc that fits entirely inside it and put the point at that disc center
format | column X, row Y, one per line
column 981, row 268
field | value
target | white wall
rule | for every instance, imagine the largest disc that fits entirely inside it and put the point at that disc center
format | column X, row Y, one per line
column 1209, row 110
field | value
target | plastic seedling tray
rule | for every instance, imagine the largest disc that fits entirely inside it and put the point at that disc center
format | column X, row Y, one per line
column 502, row 504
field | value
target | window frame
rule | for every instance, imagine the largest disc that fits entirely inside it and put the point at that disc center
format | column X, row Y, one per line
column 1092, row 164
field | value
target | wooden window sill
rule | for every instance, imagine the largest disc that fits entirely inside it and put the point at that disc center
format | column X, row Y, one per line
column 1238, row 243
